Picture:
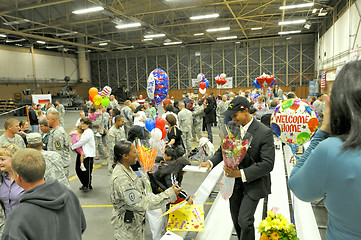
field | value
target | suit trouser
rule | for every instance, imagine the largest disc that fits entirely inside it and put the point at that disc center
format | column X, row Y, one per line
column 100, row 147
column 242, row 211
column 186, row 136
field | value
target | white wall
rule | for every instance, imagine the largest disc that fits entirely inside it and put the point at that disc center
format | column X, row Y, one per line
column 16, row 65
column 345, row 35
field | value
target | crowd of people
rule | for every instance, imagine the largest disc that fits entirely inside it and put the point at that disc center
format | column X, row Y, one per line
column 34, row 162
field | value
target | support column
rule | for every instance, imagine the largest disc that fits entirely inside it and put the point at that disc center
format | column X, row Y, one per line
column 82, row 62
column 301, row 70
column 108, row 77
column 247, row 65
column 287, row 63
column 178, row 73
column 212, row 66
column 235, row 66
column 127, row 70
column 116, row 62
column 136, row 71
column 260, row 58
column 33, row 64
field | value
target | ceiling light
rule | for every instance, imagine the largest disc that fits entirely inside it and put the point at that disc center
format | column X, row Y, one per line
column 125, row 47
column 147, row 39
column 218, row 29
column 292, row 22
column 321, row 13
column 65, row 34
column 41, row 42
column 289, row 38
column 103, row 44
column 19, row 45
column 172, row 43
column 103, row 41
column 155, row 35
column 51, row 47
column 2, row 35
column 198, row 34
column 308, row 25
column 289, row 32
column 16, row 40
column 88, row 10
column 16, row 22
column 226, row 38
column 256, row 28
column 303, row 5
column 205, row 16
column 129, row 25
column 314, row 10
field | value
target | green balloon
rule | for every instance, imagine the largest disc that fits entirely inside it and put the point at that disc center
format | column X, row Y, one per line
column 105, row 101
column 287, row 104
column 303, row 137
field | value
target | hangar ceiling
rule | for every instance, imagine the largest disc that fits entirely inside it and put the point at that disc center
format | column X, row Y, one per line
column 55, row 26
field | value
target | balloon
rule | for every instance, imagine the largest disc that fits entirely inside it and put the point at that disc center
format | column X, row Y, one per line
column 91, row 99
column 93, row 91
column 150, row 124
column 269, row 80
column 201, row 77
column 260, row 80
column 156, row 134
column 294, row 121
column 218, row 78
column 202, row 91
column 164, row 133
column 206, row 82
column 97, row 99
column 223, row 81
column 105, row 101
column 202, row 85
column 106, row 91
column 157, row 86
column 160, row 123
column 223, row 75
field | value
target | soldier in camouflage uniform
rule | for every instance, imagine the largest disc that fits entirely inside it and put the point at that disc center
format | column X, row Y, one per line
column 59, row 140
column 221, row 108
column 54, row 169
column 128, row 115
column 185, row 120
column 100, row 148
column 11, row 135
column 128, row 195
column 198, row 114
column 61, row 110
column 115, row 134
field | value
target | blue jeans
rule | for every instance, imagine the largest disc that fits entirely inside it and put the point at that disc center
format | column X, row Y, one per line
column 209, row 130
column 35, row 128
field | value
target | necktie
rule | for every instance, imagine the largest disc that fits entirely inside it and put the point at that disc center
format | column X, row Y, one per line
column 243, row 132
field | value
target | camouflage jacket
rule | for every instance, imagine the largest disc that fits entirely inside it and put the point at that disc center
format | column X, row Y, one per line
column 128, row 193
column 185, row 120
column 59, row 142
column 54, row 167
column 17, row 140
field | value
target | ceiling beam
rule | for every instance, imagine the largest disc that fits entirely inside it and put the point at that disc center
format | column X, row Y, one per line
column 235, row 18
column 35, row 6
column 47, row 39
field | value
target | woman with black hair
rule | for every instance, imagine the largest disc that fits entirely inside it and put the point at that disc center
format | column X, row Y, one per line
column 128, row 195
column 331, row 166
column 209, row 110
column 174, row 136
column 170, row 172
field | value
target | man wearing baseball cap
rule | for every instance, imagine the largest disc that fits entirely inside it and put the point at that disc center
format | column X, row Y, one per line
column 252, row 176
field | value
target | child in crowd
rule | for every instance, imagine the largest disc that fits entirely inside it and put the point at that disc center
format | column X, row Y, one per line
column 170, row 172
column 92, row 115
column 75, row 137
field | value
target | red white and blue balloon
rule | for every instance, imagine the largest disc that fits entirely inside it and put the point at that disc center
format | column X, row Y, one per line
column 201, row 77
column 157, row 86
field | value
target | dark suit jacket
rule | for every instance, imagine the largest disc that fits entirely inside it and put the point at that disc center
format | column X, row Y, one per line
column 257, row 163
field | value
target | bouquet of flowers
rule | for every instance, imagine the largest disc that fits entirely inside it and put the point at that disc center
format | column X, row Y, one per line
column 276, row 227
column 146, row 156
column 234, row 148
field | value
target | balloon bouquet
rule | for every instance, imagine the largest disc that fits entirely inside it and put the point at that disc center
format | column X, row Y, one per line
column 100, row 98
column 221, row 80
column 203, row 83
column 294, row 122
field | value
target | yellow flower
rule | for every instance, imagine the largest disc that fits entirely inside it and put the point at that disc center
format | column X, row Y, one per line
column 271, row 214
column 264, row 237
column 274, row 235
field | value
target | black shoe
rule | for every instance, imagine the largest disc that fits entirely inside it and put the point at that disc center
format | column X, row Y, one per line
column 82, row 188
column 87, row 189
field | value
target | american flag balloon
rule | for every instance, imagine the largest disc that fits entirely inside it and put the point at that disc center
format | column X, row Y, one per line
column 323, row 80
column 106, row 91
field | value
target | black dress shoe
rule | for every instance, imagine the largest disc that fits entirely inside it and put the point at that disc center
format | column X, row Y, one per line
column 82, row 188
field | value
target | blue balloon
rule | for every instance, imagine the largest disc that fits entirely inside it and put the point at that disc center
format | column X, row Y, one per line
column 150, row 124
column 206, row 82
column 256, row 84
column 158, row 85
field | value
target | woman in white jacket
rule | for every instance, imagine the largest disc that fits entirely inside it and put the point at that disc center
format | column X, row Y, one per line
column 87, row 142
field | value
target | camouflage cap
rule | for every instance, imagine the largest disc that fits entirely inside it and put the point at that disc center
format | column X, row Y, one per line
column 34, row 138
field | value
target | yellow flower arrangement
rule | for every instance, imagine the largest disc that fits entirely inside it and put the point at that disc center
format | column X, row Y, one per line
column 276, row 227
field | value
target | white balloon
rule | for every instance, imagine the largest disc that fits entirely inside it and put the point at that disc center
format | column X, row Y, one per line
column 202, row 91
column 223, row 75
column 156, row 134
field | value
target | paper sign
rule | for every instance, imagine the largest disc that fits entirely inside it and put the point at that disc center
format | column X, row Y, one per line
column 188, row 218
column 171, row 236
column 190, row 168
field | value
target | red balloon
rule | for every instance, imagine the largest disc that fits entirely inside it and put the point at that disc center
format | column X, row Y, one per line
column 269, row 80
column 223, row 81
column 202, row 85
column 164, row 133
column 260, row 80
column 91, row 99
column 160, row 123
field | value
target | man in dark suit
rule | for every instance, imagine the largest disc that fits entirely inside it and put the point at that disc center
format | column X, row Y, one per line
column 252, row 176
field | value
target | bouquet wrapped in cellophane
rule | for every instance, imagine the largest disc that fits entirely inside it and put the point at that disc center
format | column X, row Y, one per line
column 234, row 148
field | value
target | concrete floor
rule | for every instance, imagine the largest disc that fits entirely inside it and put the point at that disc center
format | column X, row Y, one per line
column 96, row 203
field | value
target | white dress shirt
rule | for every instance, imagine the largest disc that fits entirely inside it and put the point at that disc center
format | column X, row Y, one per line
column 87, row 142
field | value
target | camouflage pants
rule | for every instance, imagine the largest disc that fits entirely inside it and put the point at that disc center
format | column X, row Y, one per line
column 100, row 147
column 61, row 120
column 186, row 136
column 197, row 130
